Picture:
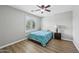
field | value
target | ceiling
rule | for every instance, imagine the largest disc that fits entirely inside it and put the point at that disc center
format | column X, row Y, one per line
column 54, row 9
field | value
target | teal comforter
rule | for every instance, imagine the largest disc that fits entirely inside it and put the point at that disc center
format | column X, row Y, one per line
column 41, row 36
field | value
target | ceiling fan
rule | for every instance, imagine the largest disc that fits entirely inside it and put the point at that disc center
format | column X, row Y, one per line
column 42, row 8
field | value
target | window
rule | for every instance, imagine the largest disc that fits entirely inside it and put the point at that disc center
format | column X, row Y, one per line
column 30, row 24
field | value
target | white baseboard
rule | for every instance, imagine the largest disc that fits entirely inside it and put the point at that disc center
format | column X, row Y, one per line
column 12, row 43
column 76, row 45
column 67, row 39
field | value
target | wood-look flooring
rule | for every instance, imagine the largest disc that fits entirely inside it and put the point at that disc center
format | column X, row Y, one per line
column 54, row 46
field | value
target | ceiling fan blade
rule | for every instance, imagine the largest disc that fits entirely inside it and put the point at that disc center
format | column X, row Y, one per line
column 47, row 6
column 47, row 10
column 38, row 6
column 35, row 10
column 42, row 6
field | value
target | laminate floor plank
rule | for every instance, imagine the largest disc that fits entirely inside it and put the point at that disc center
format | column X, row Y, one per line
column 54, row 46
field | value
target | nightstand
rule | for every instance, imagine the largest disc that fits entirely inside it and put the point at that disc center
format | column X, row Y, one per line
column 57, row 36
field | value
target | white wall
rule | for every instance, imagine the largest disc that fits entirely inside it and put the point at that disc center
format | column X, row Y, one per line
column 76, row 26
column 63, row 19
column 12, row 27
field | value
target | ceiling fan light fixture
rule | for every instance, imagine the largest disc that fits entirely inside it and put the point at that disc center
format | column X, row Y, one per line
column 43, row 8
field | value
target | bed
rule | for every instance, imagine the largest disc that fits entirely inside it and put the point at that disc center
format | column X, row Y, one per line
column 41, row 36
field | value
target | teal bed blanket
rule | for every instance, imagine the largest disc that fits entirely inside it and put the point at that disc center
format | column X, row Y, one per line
column 41, row 36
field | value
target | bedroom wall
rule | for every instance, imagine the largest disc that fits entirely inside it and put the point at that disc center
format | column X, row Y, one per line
column 63, row 19
column 76, row 26
column 12, row 24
